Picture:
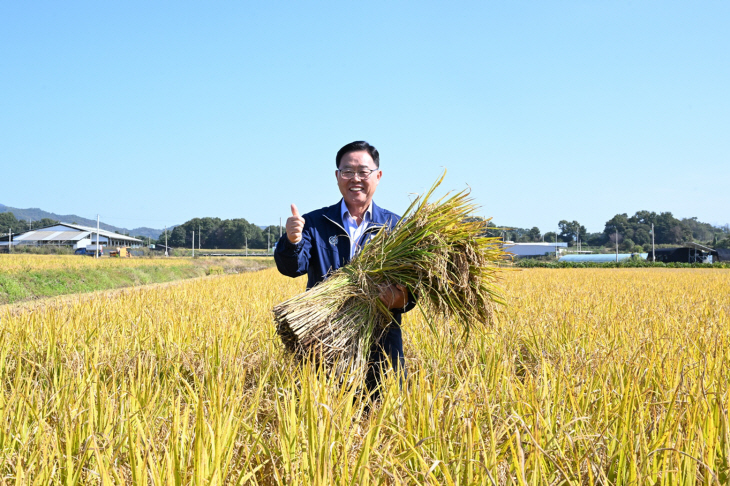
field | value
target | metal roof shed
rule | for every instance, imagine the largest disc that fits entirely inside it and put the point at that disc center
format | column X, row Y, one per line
column 65, row 234
column 533, row 249
column 599, row 257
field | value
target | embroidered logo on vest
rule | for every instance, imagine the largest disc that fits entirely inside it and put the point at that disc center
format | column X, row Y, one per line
column 333, row 240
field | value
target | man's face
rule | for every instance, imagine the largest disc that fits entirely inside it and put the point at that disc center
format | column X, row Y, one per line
column 358, row 191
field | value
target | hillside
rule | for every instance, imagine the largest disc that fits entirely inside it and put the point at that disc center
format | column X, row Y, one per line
column 34, row 214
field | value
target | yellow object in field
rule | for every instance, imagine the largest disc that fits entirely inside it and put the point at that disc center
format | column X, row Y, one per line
column 120, row 252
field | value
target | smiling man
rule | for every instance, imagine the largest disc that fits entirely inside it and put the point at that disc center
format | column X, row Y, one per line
column 326, row 239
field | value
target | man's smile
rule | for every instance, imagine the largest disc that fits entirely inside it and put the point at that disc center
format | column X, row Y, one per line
column 357, row 178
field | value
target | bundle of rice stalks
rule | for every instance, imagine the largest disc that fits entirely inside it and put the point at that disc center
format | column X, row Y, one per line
column 436, row 250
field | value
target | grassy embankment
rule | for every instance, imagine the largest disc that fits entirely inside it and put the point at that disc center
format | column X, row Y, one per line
column 29, row 277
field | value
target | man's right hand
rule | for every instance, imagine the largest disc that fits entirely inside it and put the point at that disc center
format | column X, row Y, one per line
column 294, row 226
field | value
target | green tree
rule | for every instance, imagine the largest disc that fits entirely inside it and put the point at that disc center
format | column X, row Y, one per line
column 44, row 223
column 570, row 231
column 724, row 243
column 642, row 236
column 619, row 223
column 213, row 233
column 668, row 229
column 700, row 231
column 179, row 238
column 644, row 217
column 627, row 245
column 206, row 234
column 8, row 222
column 239, row 232
column 534, row 234
column 595, row 239
column 162, row 240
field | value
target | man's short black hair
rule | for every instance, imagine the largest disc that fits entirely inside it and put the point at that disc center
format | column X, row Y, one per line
column 358, row 147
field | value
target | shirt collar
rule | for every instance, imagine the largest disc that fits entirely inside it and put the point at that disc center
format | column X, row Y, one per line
column 368, row 216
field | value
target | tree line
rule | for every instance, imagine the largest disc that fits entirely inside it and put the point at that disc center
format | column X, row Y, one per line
column 216, row 233
column 212, row 233
column 8, row 222
column 633, row 232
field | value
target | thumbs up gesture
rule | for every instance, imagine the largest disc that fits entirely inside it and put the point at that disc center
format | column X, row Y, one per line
column 294, row 225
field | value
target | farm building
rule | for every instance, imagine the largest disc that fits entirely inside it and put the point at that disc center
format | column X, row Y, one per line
column 721, row 255
column 71, row 235
column 162, row 248
column 599, row 257
column 690, row 253
column 524, row 250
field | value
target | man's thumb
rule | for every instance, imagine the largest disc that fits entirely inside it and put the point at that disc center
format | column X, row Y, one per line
column 294, row 210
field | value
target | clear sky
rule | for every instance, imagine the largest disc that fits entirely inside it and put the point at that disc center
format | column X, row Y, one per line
column 152, row 113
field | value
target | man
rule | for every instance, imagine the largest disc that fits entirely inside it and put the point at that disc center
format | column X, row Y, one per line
column 328, row 238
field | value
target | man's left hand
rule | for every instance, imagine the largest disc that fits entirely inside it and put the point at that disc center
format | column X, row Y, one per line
column 394, row 296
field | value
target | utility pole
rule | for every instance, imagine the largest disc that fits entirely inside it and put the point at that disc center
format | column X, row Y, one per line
column 96, row 252
column 166, row 241
column 199, row 237
column 268, row 242
column 653, row 254
column 10, row 241
column 246, row 237
column 193, row 244
column 30, row 224
column 616, row 245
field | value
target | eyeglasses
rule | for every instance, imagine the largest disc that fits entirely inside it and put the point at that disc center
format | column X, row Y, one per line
column 362, row 173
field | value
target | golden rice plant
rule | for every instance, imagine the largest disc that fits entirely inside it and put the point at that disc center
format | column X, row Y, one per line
column 20, row 262
column 587, row 377
column 23, row 262
column 437, row 251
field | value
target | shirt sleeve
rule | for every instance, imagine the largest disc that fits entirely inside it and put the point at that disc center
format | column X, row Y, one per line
column 292, row 259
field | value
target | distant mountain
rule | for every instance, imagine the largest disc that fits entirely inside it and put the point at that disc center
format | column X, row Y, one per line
column 34, row 214
column 147, row 232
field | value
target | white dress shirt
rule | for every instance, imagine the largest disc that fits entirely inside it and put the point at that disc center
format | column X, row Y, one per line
column 354, row 231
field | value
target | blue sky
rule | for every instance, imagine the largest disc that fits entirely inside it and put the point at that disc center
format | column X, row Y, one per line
column 152, row 113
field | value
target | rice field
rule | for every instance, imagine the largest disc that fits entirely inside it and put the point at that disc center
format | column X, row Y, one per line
column 589, row 376
column 23, row 262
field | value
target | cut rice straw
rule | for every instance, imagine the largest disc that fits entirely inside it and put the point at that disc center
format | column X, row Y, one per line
column 438, row 251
